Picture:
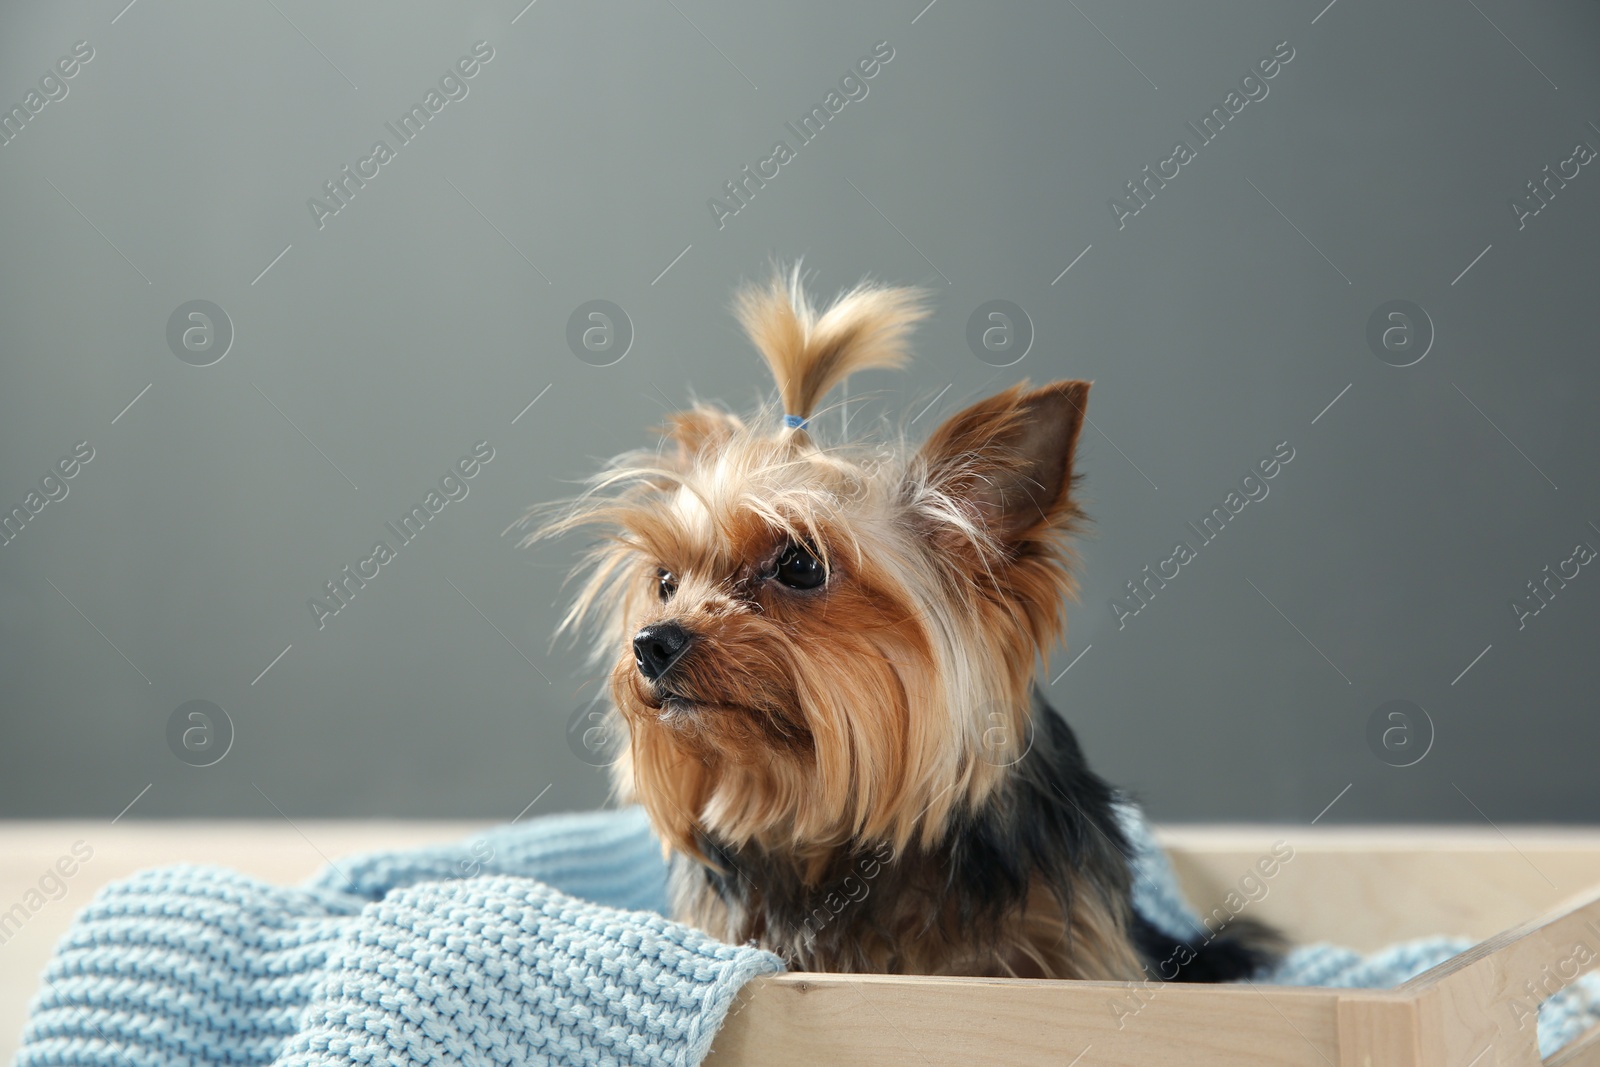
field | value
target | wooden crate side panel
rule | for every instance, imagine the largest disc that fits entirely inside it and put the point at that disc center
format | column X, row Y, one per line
column 1485, row 1000
column 872, row 1020
column 1372, row 887
column 1378, row 1030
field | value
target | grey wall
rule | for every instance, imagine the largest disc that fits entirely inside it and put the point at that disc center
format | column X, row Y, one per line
column 369, row 353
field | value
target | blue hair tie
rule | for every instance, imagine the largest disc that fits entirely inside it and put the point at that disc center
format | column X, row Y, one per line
column 794, row 422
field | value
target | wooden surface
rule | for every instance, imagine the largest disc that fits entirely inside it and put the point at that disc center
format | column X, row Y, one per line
column 1481, row 999
column 1362, row 887
column 1376, row 1029
column 862, row 1020
column 1365, row 887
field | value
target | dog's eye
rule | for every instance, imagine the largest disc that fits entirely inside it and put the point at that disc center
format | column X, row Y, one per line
column 666, row 585
column 797, row 568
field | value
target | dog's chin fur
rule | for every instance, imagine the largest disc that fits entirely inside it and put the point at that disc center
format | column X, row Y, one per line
column 883, row 720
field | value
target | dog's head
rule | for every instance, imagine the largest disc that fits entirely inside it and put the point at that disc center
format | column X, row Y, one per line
column 813, row 644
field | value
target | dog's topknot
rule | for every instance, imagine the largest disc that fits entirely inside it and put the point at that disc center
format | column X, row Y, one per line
column 811, row 351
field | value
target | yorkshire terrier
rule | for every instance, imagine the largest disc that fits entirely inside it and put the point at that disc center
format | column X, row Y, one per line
column 824, row 656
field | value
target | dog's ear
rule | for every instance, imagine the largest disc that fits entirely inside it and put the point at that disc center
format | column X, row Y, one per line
column 700, row 429
column 1006, row 462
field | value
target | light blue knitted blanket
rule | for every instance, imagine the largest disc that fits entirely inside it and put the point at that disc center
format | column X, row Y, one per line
column 540, row 943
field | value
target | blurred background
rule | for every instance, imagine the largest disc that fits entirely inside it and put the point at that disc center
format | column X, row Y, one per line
column 257, row 342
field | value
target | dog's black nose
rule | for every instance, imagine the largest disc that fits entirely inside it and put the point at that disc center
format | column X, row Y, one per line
column 658, row 647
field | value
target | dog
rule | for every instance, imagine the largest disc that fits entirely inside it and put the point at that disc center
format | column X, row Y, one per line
column 824, row 657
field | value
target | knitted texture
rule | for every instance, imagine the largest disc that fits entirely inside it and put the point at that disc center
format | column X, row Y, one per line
column 469, row 953
column 538, row 943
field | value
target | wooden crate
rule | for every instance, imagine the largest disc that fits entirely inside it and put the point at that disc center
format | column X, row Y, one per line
column 1357, row 887
column 1361, row 887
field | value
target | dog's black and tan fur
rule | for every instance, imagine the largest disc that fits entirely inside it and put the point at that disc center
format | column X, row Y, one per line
column 992, row 898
